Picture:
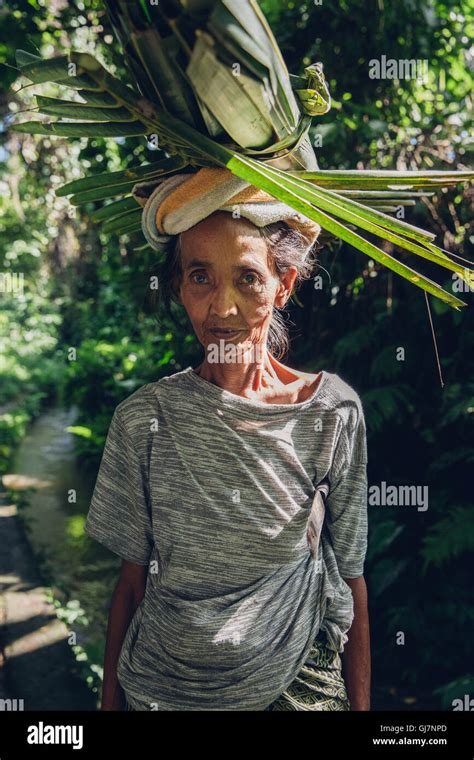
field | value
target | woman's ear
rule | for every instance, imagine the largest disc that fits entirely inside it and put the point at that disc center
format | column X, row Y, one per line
column 285, row 287
column 281, row 297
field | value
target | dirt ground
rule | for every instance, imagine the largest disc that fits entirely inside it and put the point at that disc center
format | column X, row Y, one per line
column 36, row 661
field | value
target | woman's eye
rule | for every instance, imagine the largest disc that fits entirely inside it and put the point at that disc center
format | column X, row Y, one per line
column 254, row 279
column 250, row 279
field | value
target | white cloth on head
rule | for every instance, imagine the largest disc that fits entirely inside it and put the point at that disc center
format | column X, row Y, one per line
column 260, row 214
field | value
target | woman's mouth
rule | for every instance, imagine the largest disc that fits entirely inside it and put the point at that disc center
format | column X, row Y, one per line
column 227, row 332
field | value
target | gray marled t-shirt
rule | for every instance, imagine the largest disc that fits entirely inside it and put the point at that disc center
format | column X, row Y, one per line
column 214, row 492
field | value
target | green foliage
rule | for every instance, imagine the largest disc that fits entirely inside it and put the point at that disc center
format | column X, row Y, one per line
column 450, row 537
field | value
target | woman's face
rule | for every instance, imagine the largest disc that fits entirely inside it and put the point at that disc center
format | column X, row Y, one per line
column 227, row 282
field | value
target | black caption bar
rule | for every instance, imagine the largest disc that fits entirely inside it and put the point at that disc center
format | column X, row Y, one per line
column 64, row 734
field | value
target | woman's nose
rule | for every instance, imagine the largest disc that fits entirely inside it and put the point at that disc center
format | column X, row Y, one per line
column 223, row 300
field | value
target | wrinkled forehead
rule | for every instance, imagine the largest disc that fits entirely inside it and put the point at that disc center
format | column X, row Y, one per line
column 220, row 232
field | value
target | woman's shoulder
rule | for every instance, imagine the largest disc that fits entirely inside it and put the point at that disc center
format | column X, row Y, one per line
column 348, row 406
column 342, row 397
column 342, row 389
column 143, row 400
column 339, row 389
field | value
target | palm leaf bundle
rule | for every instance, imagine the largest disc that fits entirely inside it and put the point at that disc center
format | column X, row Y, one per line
column 208, row 81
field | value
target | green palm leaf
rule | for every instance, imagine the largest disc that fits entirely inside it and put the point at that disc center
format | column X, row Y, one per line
column 383, row 178
column 114, row 209
column 68, row 109
column 83, row 129
column 123, row 221
column 376, row 222
column 281, row 190
column 131, row 175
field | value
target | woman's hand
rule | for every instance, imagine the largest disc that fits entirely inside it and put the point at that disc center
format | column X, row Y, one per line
column 356, row 665
column 128, row 594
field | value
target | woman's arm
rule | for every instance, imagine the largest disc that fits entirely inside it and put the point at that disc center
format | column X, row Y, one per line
column 127, row 595
column 356, row 667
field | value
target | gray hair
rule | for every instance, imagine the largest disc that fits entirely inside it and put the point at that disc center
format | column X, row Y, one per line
column 286, row 247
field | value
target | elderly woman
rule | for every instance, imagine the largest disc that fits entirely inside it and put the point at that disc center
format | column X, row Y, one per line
column 235, row 493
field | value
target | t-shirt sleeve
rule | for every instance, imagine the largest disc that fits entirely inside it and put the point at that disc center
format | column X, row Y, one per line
column 119, row 515
column 346, row 503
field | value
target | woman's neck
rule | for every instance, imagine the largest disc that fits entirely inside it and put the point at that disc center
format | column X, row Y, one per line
column 268, row 380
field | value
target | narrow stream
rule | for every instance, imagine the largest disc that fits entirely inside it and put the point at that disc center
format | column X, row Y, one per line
column 55, row 515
